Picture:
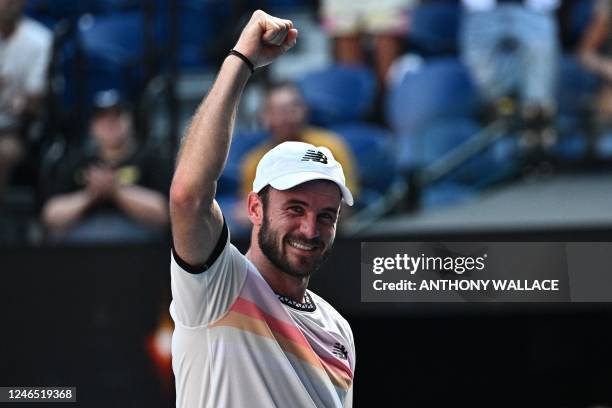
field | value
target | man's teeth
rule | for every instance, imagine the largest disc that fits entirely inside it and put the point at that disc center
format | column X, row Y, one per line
column 302, row 246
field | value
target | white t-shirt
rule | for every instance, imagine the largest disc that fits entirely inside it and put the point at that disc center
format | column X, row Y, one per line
column 24, row 58
column 238, row 344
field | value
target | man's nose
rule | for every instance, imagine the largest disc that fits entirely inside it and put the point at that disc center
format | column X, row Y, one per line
column 309, row 226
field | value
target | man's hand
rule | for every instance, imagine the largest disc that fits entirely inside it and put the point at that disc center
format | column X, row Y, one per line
column 265, row 38
column 100, row 182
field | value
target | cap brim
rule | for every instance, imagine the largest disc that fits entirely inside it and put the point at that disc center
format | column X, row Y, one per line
column 291, row 180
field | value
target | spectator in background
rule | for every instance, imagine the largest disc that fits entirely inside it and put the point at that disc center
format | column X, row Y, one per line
column 25, row 48
column 285, row 117
column 511, row 49
column 595, row 53
column 385, row 20
column 116, row 194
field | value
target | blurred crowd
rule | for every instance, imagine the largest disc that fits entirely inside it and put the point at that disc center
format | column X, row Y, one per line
column 94, row 97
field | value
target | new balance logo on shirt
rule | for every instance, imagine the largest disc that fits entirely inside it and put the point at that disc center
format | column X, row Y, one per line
column 340, row 351
column 315, row 155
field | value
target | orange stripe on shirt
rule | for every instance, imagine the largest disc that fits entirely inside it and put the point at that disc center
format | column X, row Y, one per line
column 245, row 315
column 286, row 330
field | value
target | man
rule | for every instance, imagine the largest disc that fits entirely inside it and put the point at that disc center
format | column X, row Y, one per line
column 25, row 50
column 247, row 331
column 511, row 49
column 115, row 194
column 285, row 117
column 386, row 21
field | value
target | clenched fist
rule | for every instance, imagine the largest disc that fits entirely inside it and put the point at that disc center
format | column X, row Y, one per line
column 265, row 38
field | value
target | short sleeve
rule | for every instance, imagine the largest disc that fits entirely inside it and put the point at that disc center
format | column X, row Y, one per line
column 201, row 297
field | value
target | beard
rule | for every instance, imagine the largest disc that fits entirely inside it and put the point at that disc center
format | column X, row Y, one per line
column 273, row 250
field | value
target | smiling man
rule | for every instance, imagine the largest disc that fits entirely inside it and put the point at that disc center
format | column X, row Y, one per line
column 247, row 330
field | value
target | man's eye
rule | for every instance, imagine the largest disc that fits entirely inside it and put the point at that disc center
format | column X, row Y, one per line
column 296, row 209
column 327, row 217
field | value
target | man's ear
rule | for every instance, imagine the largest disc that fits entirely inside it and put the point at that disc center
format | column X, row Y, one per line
column 255, row 208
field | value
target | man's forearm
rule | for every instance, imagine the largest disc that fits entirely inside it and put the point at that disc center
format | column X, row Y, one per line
column 205, row 147
column 142, row 204
column 64, row 210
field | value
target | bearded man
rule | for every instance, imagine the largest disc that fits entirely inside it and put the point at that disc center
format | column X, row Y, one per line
column 247, row 330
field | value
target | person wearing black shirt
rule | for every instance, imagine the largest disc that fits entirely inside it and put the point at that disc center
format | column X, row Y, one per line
column 117, row 193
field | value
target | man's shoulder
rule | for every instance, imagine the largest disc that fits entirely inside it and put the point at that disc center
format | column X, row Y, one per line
column 35, row 34
column 328, row 310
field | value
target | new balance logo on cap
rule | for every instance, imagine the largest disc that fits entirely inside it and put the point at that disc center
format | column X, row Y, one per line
column 315, row 155
column 292, row 163
column 340, row 351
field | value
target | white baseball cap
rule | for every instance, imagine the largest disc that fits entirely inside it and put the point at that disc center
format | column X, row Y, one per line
column 292, row 163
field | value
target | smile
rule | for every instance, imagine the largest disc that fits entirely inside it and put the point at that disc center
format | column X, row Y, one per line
column 301, row 245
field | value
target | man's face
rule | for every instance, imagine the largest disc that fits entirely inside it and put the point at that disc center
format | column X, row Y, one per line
column 285, row 114
column 111, row 128
column 299, row 226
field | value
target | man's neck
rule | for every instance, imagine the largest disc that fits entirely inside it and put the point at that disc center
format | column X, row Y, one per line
column 281, row 282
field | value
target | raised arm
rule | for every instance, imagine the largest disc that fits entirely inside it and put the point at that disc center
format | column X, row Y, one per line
column 195, row 215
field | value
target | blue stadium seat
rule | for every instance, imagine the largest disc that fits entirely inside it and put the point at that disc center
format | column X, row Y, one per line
column 581, row 12
column 439, row 89
column 70, row 9
column 572, row 146
column 445, row 194
column 112, row 47
column 242, row 143
column 52, row 11
column 576, row 89
column 105, row 53
column 118, row 36
column 434, row 28
column 420, row 149
column 338, row 94
column 603, row 146
column 576, row 96
column 113, row 6
column 285, row 6
column 374, row 151
column 199, row 25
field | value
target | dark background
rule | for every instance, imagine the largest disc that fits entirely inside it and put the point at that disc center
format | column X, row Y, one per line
column 80, row 317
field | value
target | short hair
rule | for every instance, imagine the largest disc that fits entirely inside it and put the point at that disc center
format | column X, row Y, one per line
column 264, row 195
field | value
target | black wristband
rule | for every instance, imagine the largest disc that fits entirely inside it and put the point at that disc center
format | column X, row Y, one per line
column 243, row 58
